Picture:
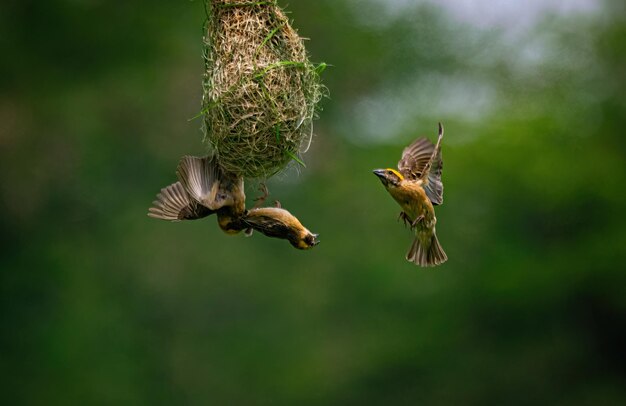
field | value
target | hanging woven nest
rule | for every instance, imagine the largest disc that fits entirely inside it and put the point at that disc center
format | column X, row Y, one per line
column 260, row 89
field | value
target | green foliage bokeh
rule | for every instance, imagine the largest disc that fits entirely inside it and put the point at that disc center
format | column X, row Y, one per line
column 101, row 304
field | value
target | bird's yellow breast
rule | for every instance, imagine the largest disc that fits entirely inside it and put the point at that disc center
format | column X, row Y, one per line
column 413, row 200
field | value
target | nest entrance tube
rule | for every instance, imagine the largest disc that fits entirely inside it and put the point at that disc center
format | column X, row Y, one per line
column 260, row 89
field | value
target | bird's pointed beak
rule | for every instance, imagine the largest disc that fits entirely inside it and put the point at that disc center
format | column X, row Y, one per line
column 379, row 172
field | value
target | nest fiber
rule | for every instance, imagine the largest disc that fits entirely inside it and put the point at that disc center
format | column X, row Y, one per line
column 260, row 89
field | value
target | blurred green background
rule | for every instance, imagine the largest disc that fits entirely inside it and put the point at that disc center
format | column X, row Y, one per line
column 103, row 305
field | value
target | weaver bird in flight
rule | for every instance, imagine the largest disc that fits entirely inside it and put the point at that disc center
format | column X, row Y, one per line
column 416, row 186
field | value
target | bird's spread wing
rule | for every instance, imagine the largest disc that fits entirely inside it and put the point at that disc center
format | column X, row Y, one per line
column 174, row 204
column 415, row 158
column 422, row 160
column 201, row 178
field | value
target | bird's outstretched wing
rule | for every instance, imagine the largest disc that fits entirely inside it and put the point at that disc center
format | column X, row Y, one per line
column 415, row 158
column 422, row 160
column 174, row 204
column 202, row 180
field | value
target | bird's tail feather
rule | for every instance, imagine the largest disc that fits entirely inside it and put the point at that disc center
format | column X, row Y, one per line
column 430, row 254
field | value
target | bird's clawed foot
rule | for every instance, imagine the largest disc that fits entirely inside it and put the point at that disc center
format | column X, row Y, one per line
column 417, row 220
column 258, row 201
column 405, row 219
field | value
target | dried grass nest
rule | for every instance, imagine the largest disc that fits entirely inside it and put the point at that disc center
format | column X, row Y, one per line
column 260, row 89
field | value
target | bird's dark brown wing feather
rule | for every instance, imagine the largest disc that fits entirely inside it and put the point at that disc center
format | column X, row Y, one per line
column 269, row 226
column 174, row 204
column 420, row 160
column 434, row 186
column 415, row 157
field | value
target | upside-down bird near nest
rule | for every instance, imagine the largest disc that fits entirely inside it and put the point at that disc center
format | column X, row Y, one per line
column 416, row 186
column 203, row 188
column 279, row 223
